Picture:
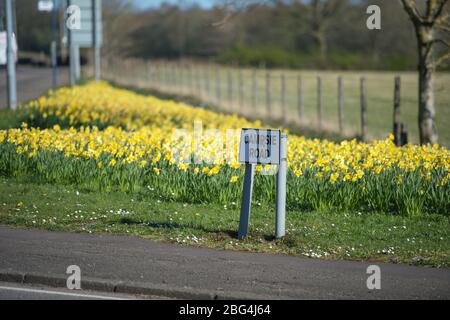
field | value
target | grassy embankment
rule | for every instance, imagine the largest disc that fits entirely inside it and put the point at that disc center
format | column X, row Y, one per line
column 322, row 233
column 327, row 235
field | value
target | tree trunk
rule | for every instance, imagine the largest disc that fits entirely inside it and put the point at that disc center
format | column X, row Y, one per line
column 321, row 40
column 427, row 114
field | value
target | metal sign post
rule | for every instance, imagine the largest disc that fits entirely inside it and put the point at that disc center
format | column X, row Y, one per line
column 258, row 146
column 73, row 50
column 86, row 16
column 11, row 59
column 246, row 200
column 95, row 19
column 53, row 45
column 281, row 189
column 74, row 60
column 52, row 6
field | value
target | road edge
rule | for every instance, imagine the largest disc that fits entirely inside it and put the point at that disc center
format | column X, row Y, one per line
column 127, row 287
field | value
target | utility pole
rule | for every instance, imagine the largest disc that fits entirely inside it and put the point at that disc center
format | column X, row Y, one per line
column 11, row 59
column 53, row 45
column 74, row 49
column 95, row 44
column 69, row 45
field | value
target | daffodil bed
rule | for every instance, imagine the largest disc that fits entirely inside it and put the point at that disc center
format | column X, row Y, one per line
column 104, row 138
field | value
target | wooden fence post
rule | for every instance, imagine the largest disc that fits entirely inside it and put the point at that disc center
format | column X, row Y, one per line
column 230, row 88
column 241, row 89
column 117, row 65
column 268, row 95
column 148, row 71
column 163, row 74
column 198, row 80
column 363, row 109
column 181, row 76
column 397, row 98
column 168, row 75
column 125, row 65
column 172, row 75
column 403, row 134
column 301, row 98
column 218, row 84
column 191, row 78
column 169, row 72
column 207, row 84
column 319, row 101
column 157, row 76
column 283, row 99
column 341, row 105
column 254, row 89
column 176, row 76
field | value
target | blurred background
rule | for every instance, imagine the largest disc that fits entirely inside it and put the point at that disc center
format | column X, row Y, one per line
column 308, row 65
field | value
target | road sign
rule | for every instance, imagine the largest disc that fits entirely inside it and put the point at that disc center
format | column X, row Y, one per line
column 45, row 5
column 10, row 56
column 89, row 33
column 84, row 24
column 4, row 45
column 260, row 146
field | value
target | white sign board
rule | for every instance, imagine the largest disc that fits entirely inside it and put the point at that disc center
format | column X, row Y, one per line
column 45, row 5
column 260, row 146
column 3, row 47
column 83, row 36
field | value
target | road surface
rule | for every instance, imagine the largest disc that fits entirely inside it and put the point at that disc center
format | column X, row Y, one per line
column 127, row 264
column 13, row 291
column 32, row 82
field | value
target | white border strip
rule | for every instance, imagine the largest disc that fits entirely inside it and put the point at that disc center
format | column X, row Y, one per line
column 61, row 293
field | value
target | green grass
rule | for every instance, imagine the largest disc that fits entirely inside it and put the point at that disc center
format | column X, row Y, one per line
column 412, row 197
column 10, row 119
column 380, row 88
column 317, row 234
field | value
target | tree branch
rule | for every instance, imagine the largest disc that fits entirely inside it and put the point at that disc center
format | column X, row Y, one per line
column 439, row 7
column 413, row 12
column 442, row 59
column 330, row 7
column 444, row 27
column 233, row 8
column 228, row 15
column 441, row 41
column 443, row 22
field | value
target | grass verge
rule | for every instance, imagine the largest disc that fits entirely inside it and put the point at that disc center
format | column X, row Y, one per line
column 327, row 235
column 10, row 118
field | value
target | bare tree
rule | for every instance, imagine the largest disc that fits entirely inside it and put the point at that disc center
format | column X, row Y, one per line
column 321, row 12
column 120, row 21
column 428, row 25
column 233, row 8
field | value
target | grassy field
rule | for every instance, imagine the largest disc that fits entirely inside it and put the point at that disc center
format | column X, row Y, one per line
column 320, row 234
column 208, row 83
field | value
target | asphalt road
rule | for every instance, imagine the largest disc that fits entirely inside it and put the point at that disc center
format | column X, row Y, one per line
column 130, row 260
column 13, row 291
column 32, row 82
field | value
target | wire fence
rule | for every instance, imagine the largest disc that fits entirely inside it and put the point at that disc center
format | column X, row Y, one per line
column 346, row 103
